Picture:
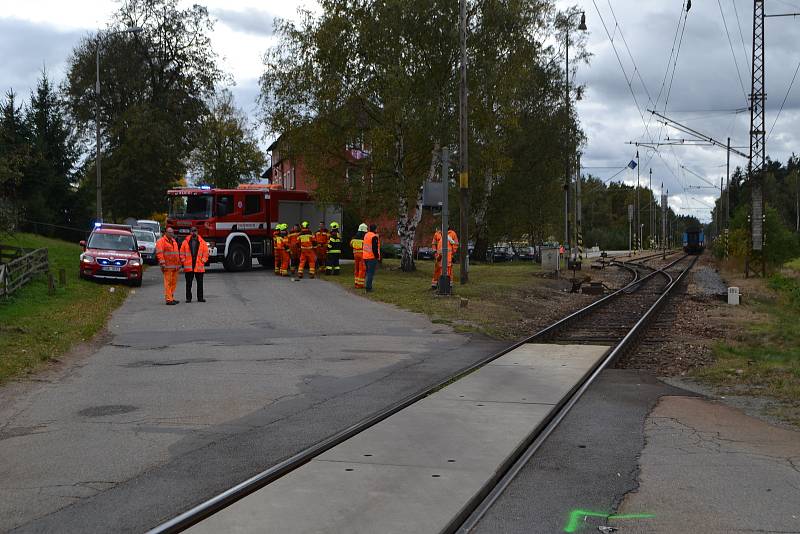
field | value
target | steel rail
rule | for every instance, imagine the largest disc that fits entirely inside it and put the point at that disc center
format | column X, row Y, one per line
column 482, row 502
column 211, row 506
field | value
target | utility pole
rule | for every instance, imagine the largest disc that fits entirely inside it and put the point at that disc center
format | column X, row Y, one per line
column 728, row 187
column 463, row 159
column 757, row 141
column 664, row 212
column 578, row 216
column 638, row 205
column 650, row 212
column 97, row 149
column 444, row 279
column 567, row 151
column 719, row 210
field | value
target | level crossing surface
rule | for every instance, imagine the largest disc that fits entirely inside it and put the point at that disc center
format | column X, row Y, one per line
column 415, row 471
column 178, row 403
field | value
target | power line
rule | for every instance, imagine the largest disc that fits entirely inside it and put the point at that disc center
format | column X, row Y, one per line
column 735, row 62
column 784, row 101
column 741, row 33
column 630, row 55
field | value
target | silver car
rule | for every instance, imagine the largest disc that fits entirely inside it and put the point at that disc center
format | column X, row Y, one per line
column 146, row 239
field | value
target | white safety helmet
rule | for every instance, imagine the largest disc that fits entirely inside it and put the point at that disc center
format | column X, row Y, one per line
column 363, row 227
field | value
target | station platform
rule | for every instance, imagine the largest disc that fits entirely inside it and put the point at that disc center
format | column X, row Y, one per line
column 415, row 471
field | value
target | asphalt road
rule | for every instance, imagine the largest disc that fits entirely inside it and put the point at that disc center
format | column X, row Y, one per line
column 184, row 401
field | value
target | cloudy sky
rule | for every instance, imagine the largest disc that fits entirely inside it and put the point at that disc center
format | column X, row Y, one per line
column 631, row 44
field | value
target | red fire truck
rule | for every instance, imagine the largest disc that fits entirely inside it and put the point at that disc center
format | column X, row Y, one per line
column 238, row 223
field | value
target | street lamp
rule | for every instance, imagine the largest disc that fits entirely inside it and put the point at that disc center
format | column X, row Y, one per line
column 100, row 37
column 582, row 27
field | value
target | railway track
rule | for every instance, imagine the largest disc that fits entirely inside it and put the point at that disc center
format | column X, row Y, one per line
column 616, row 320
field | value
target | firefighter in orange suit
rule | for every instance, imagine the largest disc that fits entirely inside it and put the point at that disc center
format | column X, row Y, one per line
column 276, row 255
column 294, row 247
column 307, row 256
column 452, row 248
column 169, row 258
column 359, row 267
column 284, row 249
column 321, row 238
column 278, row 248
column 194, row 256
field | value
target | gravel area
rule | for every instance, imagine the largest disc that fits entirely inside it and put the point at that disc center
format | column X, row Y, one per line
column 706, row 281
column 682, row 337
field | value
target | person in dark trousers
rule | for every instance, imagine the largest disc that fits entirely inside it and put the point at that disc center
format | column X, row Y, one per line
column 194, row 256
column 334, row 250
column 371, row 252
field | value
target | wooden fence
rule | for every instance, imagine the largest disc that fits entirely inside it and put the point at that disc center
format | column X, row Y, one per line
column 19, row 265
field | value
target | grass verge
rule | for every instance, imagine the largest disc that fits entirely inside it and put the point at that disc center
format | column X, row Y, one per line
column 764, row 359
column 495, row 294
column 36, row 327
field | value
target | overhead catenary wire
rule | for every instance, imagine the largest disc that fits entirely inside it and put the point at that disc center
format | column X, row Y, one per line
column 730, row 43
column 784, row 101
column 741, row 33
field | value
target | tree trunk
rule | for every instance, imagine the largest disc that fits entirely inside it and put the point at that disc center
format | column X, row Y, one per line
column 407, row 223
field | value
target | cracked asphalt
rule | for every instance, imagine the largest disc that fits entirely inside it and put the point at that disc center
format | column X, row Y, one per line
column 180, row 403
column 644, row 457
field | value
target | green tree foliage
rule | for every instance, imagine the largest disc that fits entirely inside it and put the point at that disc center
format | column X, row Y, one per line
column 227, row 152
column 382, row 77
column 47, row 190
column 154, row 87
column 38, row 154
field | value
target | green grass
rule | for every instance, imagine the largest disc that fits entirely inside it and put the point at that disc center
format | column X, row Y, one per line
column 36, row 327
column 495, row 294
column 765, row 358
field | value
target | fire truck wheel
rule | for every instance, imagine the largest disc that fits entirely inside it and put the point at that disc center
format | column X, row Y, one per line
column 238, row 258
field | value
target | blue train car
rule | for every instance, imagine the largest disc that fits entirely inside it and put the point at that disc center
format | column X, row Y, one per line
column 694, row 241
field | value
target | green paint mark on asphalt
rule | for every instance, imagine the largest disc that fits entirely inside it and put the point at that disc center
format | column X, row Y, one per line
column 575, row 517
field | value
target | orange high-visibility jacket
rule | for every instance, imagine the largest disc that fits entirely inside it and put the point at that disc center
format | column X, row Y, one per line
column 293, row 243
column 280, row 241
column 357, row 245
column 370, row 254
column 306, row 240
column 202, row 256
column 321, row 237
column 168, row 253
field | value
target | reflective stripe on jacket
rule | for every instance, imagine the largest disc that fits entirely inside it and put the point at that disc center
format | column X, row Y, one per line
column 202, row 255
column 357, row 245
column 280, row 242
column 334, row 245
column 370, row 254
column 168, row 253
column 306, row 241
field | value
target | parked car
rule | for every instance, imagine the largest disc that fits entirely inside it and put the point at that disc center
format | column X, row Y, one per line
column 112, row 253
column 426, row 253
column 153, row 226
column 391, row 250
column 146, row 239
column 527, row 254
column 501, row 254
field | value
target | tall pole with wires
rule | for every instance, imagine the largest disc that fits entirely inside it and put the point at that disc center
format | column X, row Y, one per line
column 463, row 142
column 757, row 141
column 638, row 205
column 728, row 186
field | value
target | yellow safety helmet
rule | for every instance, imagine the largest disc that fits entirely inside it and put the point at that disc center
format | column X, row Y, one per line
column 334, row 226
column 304, row 224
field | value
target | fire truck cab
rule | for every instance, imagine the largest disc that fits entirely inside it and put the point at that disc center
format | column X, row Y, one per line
column 238, row 223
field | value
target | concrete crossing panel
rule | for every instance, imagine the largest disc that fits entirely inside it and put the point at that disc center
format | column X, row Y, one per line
column 415, row 471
